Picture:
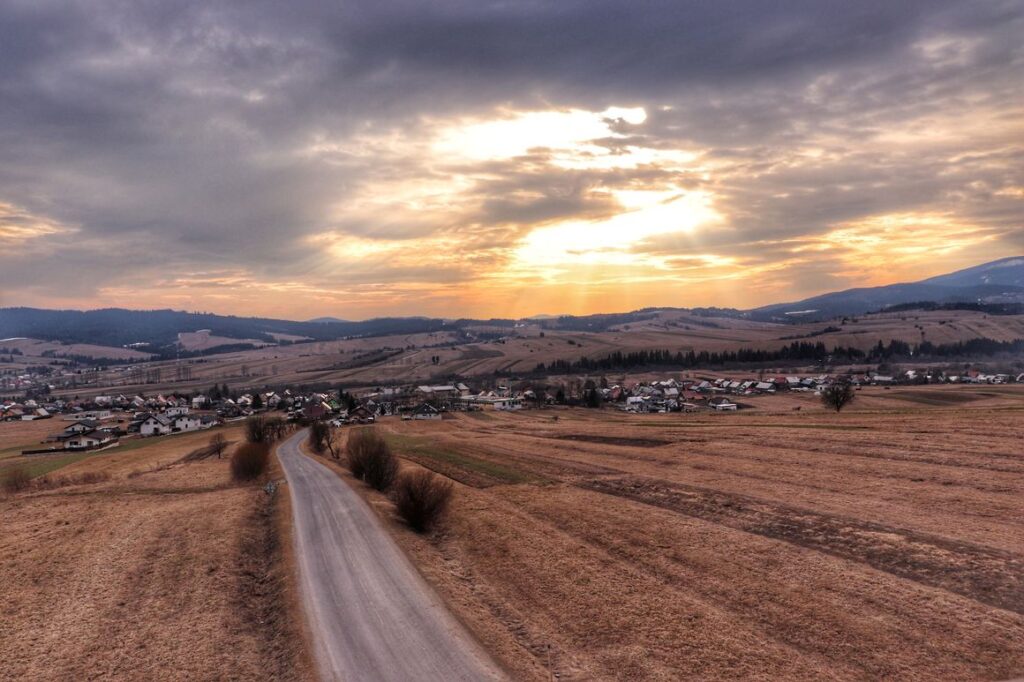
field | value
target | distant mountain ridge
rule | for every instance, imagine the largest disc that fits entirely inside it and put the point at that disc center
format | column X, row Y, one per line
column 998, row 282
column 326, row 320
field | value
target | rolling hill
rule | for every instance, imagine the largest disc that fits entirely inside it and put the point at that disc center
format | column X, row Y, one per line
column 157, row 331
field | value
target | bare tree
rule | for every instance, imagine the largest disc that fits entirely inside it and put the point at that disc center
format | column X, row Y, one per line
column 218, row 444
column 319, row 435
column 256, row 429
column 333, row 446
column 838, row 395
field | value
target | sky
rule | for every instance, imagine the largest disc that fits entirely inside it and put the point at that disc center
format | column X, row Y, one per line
column 478, row 158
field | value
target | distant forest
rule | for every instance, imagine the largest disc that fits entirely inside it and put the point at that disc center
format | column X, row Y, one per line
column 796, row 351
column 159, row 329
column 987, row 308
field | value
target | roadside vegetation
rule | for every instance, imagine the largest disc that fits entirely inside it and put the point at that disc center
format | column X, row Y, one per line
column 422, row 498
column 319, row 436
column 370, row 459
column 251, row 459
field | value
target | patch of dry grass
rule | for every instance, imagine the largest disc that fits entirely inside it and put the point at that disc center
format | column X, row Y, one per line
column 175, row 574
column 874, row 544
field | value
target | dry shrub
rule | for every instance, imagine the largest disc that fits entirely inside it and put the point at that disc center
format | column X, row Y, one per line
column 256, row 430
column 250, row 461
column 319, row 433
column 422, row 498
column 51, row 482
column 16, row 479
column 370, row 459
column 92, row 477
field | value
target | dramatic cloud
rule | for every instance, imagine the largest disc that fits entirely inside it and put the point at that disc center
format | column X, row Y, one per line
column 494, row 158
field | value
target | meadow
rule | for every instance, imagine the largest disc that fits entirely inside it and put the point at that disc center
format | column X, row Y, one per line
column 885, row 542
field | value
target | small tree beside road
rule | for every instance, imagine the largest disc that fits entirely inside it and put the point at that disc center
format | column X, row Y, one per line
column 370, row 458
column 319, row 436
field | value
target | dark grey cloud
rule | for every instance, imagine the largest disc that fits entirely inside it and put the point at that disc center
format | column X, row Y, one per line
column 172, row 136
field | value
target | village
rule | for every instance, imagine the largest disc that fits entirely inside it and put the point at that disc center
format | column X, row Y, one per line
column 102, row 421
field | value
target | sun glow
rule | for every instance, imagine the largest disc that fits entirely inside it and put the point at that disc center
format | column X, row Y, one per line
column 611, row 241
column 517, row 133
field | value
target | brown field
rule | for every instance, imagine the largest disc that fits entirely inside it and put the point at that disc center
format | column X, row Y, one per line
column 33, row 350
column 372, row 361
column 17, row 435
column 166, row 570
column 204, row 340
column 886, row 542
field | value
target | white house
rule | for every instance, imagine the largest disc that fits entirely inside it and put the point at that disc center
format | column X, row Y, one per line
column 185, row 422
column 175, row 411
column 89, row 439
column 155, row 425
column 508, row 404
column 723, row 406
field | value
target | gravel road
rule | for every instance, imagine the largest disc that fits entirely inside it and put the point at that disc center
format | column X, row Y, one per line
column 371, row 614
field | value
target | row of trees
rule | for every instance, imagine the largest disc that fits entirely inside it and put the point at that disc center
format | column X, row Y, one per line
column 421, row 497
column 251, row 459
column 798, row 350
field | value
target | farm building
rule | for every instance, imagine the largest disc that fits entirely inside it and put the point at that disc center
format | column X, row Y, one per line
column 426, row 411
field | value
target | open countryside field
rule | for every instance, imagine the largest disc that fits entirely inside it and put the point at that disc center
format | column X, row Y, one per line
column 886, row 542
column 411, row 358
column 162, row 570
column 34, row 350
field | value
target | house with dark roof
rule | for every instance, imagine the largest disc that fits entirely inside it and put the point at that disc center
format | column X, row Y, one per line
column 426, row 411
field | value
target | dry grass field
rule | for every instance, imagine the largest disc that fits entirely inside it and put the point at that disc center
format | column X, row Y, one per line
column 33, row 349
column 886, row 542
column 161, row 570
column 408, row 358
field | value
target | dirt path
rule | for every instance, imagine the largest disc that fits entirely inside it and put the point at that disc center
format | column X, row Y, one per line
column 371, row 614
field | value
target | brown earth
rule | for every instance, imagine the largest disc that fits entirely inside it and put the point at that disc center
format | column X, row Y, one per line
column 886, row 542
column 410, row 358
column 167, row 570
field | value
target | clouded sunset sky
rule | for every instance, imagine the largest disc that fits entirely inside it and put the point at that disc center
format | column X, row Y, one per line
column 478, row 158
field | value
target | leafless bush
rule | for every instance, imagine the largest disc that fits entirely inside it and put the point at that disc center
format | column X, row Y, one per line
column 250, row 461
column 370, row 459
column 16, row 479
column 256, row 430
column 218, row 444
column 275, row 427
column 319, row 434
column 422, row 498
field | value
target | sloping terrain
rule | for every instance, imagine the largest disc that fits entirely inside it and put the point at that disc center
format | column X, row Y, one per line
column 886, row 542
column 438, row 356
column 165, row 570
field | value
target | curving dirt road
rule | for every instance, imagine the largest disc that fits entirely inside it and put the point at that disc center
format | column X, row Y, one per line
column 371, row 614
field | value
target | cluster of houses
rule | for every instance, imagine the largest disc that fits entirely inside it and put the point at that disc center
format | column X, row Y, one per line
column 87, row 434
column 102, row 420
column 14, row 381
